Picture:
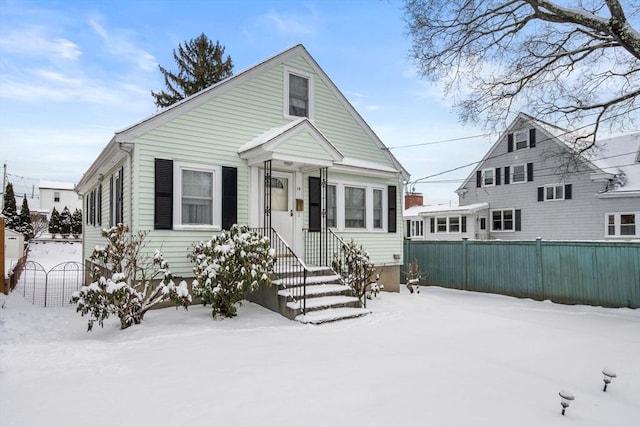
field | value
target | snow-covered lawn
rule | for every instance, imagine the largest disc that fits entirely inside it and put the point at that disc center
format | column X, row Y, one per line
column 51, row 253
column 440, row 358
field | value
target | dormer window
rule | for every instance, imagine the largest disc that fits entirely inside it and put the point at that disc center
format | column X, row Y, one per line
column 298, row 94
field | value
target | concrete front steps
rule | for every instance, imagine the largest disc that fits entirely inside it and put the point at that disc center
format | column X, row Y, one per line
column 328, row 300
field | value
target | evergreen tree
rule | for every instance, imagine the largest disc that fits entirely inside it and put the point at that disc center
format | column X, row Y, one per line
column 25, row 227
column 54, row 223
column 65, row 222
column 76, row 223
column 200, row 64
column 10, row 210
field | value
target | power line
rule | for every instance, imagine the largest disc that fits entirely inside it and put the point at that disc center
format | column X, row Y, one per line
column 504, row 154
column 436, row 142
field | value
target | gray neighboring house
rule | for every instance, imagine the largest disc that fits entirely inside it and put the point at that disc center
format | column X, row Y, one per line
column 445, row 222
column 531, row 193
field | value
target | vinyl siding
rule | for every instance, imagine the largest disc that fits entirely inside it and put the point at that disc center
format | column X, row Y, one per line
column 212, row 133
column 580, row 218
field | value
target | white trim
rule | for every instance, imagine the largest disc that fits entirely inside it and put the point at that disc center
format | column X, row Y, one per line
column 513, row 220
column 341, row 205
column 311, row 92
column 216, row 171
column 524, row 132
column 512, row 173
column 617, row 224
column 483, row 180
column 555, row 187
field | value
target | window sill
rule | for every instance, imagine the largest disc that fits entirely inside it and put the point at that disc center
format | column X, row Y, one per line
column 181, row 227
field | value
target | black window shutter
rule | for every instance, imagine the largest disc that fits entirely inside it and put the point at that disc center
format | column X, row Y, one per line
column 529, row 172
column 506, row 175
column 315, row 205
column 229, row 197
column 87, row 208
column 111, row 201
column 478, row 178
column 532, row 138
column 518, row 220
column 163, row 207
column 100, row 204
column 567, row 191
column 433, row 225
column 464, row 224
column 497, row 176
column 392, row 200
column 541, row 194
column 408, row 228
column 121, row 195
column 510, row 142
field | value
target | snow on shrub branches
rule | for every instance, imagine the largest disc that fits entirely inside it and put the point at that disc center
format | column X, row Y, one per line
column 229, row 265
column 128, row 293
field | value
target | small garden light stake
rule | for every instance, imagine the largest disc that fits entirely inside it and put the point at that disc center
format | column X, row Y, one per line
column 565, row 399
column 609, row 375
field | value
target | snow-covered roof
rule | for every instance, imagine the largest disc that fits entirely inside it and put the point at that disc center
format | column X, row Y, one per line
column 443, row 209
column 57, row 185
column 620, row 156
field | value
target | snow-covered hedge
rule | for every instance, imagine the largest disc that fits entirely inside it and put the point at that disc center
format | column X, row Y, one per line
column 128, row 293
column 229, row 265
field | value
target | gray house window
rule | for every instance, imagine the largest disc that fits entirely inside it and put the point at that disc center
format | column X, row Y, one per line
column 502, row 220
column 623, row 224
column 56, row 196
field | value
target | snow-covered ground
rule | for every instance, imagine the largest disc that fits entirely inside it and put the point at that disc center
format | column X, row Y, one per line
column 440, row 358
column 51, row 253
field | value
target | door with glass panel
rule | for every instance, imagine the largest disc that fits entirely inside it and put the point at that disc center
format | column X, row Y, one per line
column 282, row 209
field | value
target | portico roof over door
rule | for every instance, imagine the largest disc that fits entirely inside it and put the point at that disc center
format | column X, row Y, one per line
column 298, row 144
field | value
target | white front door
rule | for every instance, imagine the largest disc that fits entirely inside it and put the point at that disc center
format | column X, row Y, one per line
column 282, row 206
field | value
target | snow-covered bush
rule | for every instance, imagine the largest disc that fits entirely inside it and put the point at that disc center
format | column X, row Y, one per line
column 229, row 265
column 414, row 275
column 129, row 292
column 356, row 268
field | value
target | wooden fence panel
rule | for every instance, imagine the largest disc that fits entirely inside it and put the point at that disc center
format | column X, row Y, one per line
column 595, row 273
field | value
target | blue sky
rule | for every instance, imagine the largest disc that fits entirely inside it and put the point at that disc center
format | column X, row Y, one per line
column 73, row 72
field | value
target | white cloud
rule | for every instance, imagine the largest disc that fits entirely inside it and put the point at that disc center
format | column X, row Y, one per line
column 290, row 24
column 38, row 41
column 118, row 43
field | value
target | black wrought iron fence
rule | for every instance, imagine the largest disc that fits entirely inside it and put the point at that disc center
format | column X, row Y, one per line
column 53, row 287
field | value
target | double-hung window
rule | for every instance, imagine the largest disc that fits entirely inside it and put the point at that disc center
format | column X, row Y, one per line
column 519, row 174
column 488, row 177
column 196, row 204
column 417, row 228
column 502, row 220
column 299, row 94
column 56, row 196
column 521, row 139
column 622, row 224
column 355, row 207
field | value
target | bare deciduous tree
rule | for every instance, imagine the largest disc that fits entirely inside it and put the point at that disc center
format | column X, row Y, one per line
column 570, row 62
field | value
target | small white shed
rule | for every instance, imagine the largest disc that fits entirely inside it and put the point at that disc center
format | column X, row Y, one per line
column 13, row 244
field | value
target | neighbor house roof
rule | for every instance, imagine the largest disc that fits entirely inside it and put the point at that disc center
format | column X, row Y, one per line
column 620, row 156
column 56, row 185
column 427, row 210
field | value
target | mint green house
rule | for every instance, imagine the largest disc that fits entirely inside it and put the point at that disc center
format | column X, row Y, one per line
column 277, row 147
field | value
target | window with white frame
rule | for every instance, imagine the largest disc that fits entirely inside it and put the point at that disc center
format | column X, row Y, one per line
column 554, row 192
column 518, row 174
column 622, row 224
column 441, row 225
column 502, row 220
column 417, row 228
column 449, row 224
column 355, row 207
column 352, row 205
column 195, row 202
column 521, row 139
column 488, row 177
column 454, row 224
column 56, row 196
column 298, row 93
column 332, row 205
column 377, row 208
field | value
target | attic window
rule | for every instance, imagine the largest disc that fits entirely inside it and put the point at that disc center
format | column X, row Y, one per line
column 521, row 139
column 298, row 94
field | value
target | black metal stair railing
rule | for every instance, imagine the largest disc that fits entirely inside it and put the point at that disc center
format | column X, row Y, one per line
column 289, row 269
column 327, row 249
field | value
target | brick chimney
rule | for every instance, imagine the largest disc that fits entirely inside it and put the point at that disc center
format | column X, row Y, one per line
column 412, row 199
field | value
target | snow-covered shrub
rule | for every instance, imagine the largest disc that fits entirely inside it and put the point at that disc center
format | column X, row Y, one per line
column 229, row 265
column 414, row 275
column 356, row 268
column 129, row 292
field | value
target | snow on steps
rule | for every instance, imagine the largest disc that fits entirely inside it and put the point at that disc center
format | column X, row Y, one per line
column 324, row 302
column 331, row 315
